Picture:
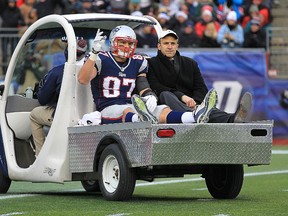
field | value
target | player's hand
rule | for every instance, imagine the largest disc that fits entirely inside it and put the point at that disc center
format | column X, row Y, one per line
column 151, row 102
column 98, row 41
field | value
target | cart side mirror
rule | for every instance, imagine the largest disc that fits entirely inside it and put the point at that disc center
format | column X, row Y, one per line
column 2, row 87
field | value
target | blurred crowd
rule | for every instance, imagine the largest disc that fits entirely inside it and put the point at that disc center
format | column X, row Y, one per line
column 199, row 23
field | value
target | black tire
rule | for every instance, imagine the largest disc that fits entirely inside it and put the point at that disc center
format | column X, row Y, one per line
column 224, row 181
column 116, row 179
column 91, row 185
column 5, row 183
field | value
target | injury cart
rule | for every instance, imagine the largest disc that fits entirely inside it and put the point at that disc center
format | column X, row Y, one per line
column 110, row 158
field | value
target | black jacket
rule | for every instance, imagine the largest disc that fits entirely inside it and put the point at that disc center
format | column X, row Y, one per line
column 255, row 39
column 162, row 76
column 12, row 18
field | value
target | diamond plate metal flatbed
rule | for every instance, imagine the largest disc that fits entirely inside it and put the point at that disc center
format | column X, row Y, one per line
column 217, row 143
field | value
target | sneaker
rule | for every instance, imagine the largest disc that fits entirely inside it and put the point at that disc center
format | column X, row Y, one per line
column 244, row 108
column 142, row 110
column 202, row 111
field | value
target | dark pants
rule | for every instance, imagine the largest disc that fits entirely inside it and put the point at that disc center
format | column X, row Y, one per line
column 216, row 115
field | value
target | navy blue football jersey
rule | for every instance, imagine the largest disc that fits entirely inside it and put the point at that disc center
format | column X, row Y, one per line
column 115, row 82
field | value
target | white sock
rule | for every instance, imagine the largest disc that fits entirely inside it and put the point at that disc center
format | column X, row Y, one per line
column 135, row 118
column 188, row 117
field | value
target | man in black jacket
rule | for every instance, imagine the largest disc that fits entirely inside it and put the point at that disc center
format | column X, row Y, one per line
column 256, row 36
column 12, row 18
column 178, row 83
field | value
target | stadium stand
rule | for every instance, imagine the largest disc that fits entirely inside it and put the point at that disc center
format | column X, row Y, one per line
column 277, row 42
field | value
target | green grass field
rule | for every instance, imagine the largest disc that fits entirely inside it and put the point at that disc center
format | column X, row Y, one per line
column 265, row 192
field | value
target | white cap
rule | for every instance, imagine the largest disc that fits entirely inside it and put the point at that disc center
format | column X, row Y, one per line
column 168, row 32
column 163, row 16
column 231, row 16
column 181, row 13
column 206, row 12
column 137, row 13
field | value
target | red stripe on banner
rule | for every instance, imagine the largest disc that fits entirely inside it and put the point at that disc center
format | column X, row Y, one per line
column 283, row 141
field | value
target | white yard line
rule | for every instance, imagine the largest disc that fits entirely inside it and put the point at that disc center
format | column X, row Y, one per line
column 16, row 196
column 12, row 213
column 279, row 151
column 118, row 214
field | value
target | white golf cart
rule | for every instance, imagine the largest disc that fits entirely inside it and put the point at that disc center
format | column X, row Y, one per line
column 110, row 158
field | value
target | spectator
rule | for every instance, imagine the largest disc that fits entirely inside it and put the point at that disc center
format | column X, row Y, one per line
column 185, row 8
column 192, row 6
column 48, row 93
column 170, row 7
column 137, row 13
column 231, row 34
column 119, row 6
column 88, row 6
column 33, row 16
column 206, row 5
column 256, row 36
column 178, row 21
column 264, row 13
column 253, row 12
column 19, row 3
column 188, row 37
column 146, row 6
column 154, row 10
column 102, row 5
column 25, row 9
column 209, row 38
column 163, row 19
column 267, row 3
column 134, row 5
column 72, row 7
column 138, row 30
column 200, row 26
column 235, row 5
column 47, row 7
column 12, row 18
column 146, row 38
column 3, row 5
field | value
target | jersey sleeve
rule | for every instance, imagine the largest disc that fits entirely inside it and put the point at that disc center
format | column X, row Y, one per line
column 144, row 67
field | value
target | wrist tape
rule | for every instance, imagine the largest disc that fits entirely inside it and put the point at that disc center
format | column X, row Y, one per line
column 93, row 56
column 149, row 92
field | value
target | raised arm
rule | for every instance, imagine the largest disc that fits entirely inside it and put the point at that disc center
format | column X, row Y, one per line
column 88, row 70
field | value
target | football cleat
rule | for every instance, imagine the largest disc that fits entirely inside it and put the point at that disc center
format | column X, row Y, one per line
column 142, row 110
column 202, row 111
column 244, row 108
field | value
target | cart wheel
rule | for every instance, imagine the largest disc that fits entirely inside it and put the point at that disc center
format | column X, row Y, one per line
column 5, row 183
column 91, row 185
column 117, row 180
column 224, row 181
